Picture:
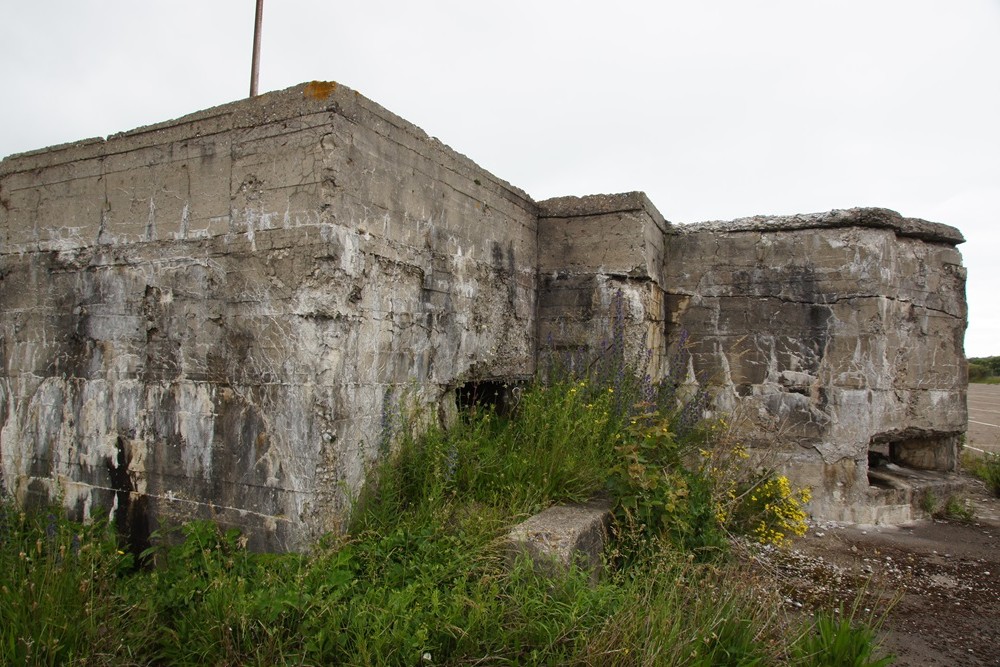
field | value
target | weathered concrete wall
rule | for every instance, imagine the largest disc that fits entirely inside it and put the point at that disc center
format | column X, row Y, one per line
column 221, row 315
column 826, row 335
column 591, row 250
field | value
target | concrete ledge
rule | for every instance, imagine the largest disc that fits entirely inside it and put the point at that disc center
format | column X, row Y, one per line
column 594, row 205
column 909, row 484
column 896, row 494
column 882, row 218
column 562, row 535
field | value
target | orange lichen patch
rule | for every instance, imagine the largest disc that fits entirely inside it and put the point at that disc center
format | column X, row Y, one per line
column 320, row 90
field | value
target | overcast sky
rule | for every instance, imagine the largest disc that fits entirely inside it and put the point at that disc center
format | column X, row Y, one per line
column 716, row 109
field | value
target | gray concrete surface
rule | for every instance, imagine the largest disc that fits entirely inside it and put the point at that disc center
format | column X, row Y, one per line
column 564, row 535
column 226, row 315
column 984, row 417
column 829, row 335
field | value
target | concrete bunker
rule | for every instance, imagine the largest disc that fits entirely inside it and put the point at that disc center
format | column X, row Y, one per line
column 244, row 293
column 838, row 337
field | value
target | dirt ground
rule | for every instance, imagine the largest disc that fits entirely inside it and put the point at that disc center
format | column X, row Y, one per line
column 939, row 579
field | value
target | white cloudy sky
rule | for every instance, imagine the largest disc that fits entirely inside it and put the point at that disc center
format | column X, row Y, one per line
column 715, row 108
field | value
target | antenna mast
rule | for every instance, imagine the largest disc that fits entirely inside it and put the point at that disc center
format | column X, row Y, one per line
column 255, row 64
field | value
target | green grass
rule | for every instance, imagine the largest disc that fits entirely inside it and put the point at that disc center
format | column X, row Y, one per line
column 958, row 508
column 953, row 507
column 422, row 577
column 929, row 502
column 986, row 468
column 390, row 598
column 559, row 448
column 836, row 640
column 60, row 585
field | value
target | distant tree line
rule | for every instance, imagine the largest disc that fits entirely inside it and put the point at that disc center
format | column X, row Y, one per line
column 982, row 369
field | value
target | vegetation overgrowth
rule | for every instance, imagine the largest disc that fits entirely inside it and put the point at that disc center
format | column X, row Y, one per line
column 422, row 576
column 987, row 468
column 985, row 370
column 951, row 507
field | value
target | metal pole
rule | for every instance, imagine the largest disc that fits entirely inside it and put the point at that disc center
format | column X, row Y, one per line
column 255, row 65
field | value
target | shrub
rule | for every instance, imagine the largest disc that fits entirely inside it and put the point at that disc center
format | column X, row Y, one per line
column 979, row 372
column 774, row 510
column 984, row 369
column 752, row 500
column 657, row 497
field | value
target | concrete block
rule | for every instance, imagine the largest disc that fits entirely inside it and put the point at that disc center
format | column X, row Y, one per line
column 563, row 535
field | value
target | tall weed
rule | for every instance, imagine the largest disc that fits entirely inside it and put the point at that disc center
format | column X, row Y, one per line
column 682, row 613
column 556, row 448
column 59, row 581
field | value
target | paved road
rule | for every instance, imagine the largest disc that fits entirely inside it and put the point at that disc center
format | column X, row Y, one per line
column 984, row 417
